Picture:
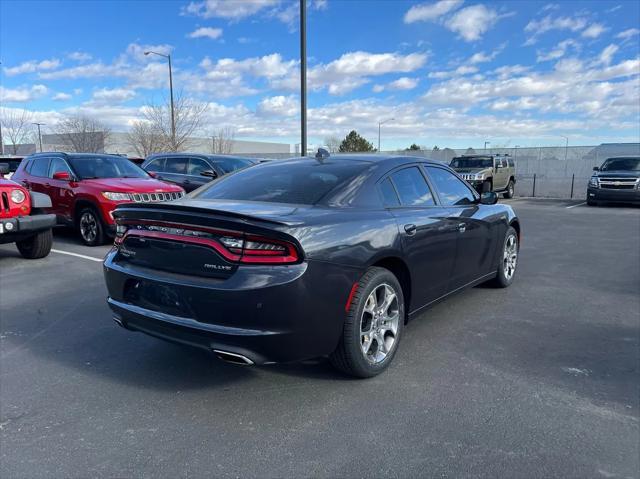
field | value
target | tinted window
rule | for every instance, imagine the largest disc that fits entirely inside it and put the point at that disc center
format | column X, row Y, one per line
column 58, row 165
column 176, row 165
column 412, row 187
column 88, row 167
column 227, row 165
column 471, row 162
column 451, row 189
column 39, row 167
column 156, row 165
column 388, row 193
column 299, row 182
column 511, row 162
column 197, row 166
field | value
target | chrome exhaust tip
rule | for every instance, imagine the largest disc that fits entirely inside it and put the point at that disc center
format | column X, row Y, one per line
column 119, row 322
column 233, row 358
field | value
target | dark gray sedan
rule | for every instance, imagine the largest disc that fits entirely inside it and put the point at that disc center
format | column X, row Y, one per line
column 307, row 257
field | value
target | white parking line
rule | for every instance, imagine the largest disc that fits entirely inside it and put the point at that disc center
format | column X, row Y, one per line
column 91, row 258
column 579, row 204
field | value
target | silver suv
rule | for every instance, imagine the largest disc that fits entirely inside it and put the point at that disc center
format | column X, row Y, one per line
column 487, row 172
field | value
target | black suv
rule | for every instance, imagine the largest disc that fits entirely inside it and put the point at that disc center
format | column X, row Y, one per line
column 617, row 180
column 192, row 170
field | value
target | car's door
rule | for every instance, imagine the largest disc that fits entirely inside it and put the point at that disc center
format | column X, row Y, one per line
column 501, row 175
column 60, row 191
column 475, row 230
column 38, row 175
column 428, row 239
column 155, row 167
column 199, row 172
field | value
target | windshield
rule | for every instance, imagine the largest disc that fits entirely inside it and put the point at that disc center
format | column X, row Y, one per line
column 227, row 165
column 303, row 182
column 621, row 164
column 89, row 167
column 462, row 162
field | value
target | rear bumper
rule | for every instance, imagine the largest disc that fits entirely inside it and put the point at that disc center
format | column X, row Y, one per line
column 264, row 313
column 16, row 229
column 619, row 196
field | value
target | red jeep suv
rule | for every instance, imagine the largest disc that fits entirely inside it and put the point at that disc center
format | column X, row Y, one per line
column 85, row 188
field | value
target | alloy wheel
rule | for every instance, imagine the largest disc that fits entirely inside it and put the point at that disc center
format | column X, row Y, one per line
column 510, row 256
column 379, row 323
column 88, row 227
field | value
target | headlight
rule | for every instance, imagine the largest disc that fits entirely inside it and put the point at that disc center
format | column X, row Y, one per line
column 479, row 176
column 110, row 195
column 594, row 182
column 17, row 196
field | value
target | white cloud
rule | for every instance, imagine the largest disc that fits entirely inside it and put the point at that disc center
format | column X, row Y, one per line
column 402, row 83
column 206, row 32
column 593, row 31
column 607, row 54
column 279, row 106
column 32, row 66
column 62, row 97
column 558, row 51
column 482, row 57
column 228, row 9
column 79, row 56
column 472, row 22
column 22, row 94
column 629, row 33
column 548, row 23
column 113, row 95
column 460, row 71
column 430, row 11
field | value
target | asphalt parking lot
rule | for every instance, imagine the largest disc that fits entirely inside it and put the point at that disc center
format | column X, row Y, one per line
column 539, row 380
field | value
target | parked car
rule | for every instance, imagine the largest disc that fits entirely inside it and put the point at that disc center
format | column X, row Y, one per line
column 617, row 180
column 85, row 189
column 192, row 170
column 307, row 257
column 12, row 161
column 487, row 172
column 22, row 218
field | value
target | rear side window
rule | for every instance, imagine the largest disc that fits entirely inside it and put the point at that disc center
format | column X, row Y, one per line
column 388, row 193
column 304, row 182
column 451, row 189
column 39, row 167
column 176, row 165
column 412, row 187
column 156, row 165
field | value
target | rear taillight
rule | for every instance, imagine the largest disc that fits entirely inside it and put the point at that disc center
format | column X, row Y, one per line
column 234, row 246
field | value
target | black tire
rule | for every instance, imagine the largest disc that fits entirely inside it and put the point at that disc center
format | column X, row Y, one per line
column 510, row 190
column 486, row 186
column 90, row 227
column 592, row 203
column 37, row 246
column 349, row 356
column 504, row 279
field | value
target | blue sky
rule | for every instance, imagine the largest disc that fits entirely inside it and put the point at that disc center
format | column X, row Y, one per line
column 451, row 73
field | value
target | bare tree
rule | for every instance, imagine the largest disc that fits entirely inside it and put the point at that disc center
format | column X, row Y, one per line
column 332, row 143
column 222, row 141
column 16, row 126
column 188, row 118
column 82, row 134
column 145, row 140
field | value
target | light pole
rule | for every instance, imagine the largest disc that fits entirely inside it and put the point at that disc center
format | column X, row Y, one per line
column 485, row 145
column 39, row 135
column 173, row 118
column 380, row 123
column 566, row 148
column 303, row 77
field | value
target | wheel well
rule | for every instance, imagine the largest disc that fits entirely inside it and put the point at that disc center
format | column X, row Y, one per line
column 400, row 271
column 80, row 204
column 516, row 226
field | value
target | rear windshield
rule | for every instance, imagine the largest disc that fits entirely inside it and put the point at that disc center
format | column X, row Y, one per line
column 621, row 164
column 471, row 163
column 105, row 167
column 227, row 165
column 303, row 182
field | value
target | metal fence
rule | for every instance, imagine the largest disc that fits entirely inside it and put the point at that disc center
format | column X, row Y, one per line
column 547, row 172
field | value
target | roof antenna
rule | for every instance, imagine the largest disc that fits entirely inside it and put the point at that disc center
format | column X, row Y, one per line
column 322, row 154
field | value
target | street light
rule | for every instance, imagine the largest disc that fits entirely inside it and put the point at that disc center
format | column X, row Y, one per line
column 380, row 123
column 566, row 148
column 173, row 118
column 485, row 145
column 303, row 77
column 39, row 135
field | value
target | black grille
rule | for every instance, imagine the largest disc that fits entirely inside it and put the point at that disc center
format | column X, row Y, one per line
column 5, row 202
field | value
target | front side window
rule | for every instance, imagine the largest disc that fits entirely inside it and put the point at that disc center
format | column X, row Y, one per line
column 452, row 190
column 39, row 167
column 156, row 165
column 412, row 187
column 58, row 165
column 176, row 165
column 197, row 166
column 511, row 162
column 227, row 165
column 92, row 167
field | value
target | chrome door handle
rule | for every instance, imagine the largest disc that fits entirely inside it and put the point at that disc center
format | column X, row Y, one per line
column 462, row 228
column 410, row 229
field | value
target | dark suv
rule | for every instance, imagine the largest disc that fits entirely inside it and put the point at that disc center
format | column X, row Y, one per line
column 617, row 180
column 192, row 170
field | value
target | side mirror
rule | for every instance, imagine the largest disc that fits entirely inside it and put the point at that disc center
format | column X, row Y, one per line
column 488, row 198
column 62, row 175
column 596, row 168
column 4, row 168
column 152, row 174
column 209, row 174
